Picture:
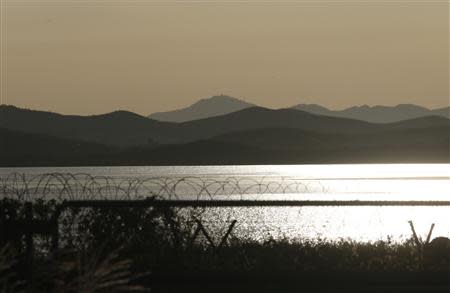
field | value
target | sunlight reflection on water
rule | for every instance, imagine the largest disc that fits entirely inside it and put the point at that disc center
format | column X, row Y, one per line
column 322, row 182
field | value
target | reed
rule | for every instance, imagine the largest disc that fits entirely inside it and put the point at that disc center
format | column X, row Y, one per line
column 94, row 271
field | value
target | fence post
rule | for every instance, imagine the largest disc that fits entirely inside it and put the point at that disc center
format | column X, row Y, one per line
column 55, row 233
column 225, row 237
column 205, row 233
column 29, row 238
column 201, row 228
column 168, row 216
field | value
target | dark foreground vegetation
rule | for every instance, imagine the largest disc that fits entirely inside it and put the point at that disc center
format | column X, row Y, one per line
column 162, row 250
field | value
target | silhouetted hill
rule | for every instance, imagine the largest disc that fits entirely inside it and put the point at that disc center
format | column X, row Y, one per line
column 314, row 109
column 277, row 138
column 128, row 129
column 294, row 146
column 16, row 141
column 257, row 146
column 436, row 138
column 376, row 114
column 422, row 122
column 261, row 118
column 444, row 112
column 205, row 108
column 120, row 128
column 241, row 149
column 28, row 149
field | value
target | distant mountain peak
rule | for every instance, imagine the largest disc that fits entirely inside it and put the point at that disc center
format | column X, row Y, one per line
column 204, row 108
column 311, row 106
column 220, row 97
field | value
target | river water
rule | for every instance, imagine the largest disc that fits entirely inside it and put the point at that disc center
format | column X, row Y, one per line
column 429, row 182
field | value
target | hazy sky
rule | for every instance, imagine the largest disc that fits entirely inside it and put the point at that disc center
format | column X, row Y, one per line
column 81, row 56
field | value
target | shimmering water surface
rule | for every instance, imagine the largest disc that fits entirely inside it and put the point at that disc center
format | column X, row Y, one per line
column 302, row 182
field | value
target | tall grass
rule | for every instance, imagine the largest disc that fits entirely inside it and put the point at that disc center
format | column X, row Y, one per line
column 9, row 280
column 95, row 271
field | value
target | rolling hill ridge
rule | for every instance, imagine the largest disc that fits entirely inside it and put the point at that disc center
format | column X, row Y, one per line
column 249, row 136
column 127, row 129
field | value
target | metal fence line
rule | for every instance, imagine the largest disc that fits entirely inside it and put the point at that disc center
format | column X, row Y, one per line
column 242, row 203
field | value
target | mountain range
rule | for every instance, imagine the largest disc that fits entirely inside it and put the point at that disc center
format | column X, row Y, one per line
column 123, row 129
column 220, row 105
column 252, row 135
column 376, row 114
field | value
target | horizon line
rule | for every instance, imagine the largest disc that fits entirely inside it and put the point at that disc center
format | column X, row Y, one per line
column 243, row 100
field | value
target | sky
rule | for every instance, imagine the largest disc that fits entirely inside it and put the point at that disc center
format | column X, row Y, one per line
column 96, row 56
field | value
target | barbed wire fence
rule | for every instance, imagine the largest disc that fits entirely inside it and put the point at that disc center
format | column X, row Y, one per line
column 81, row 186
column 48, row 191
